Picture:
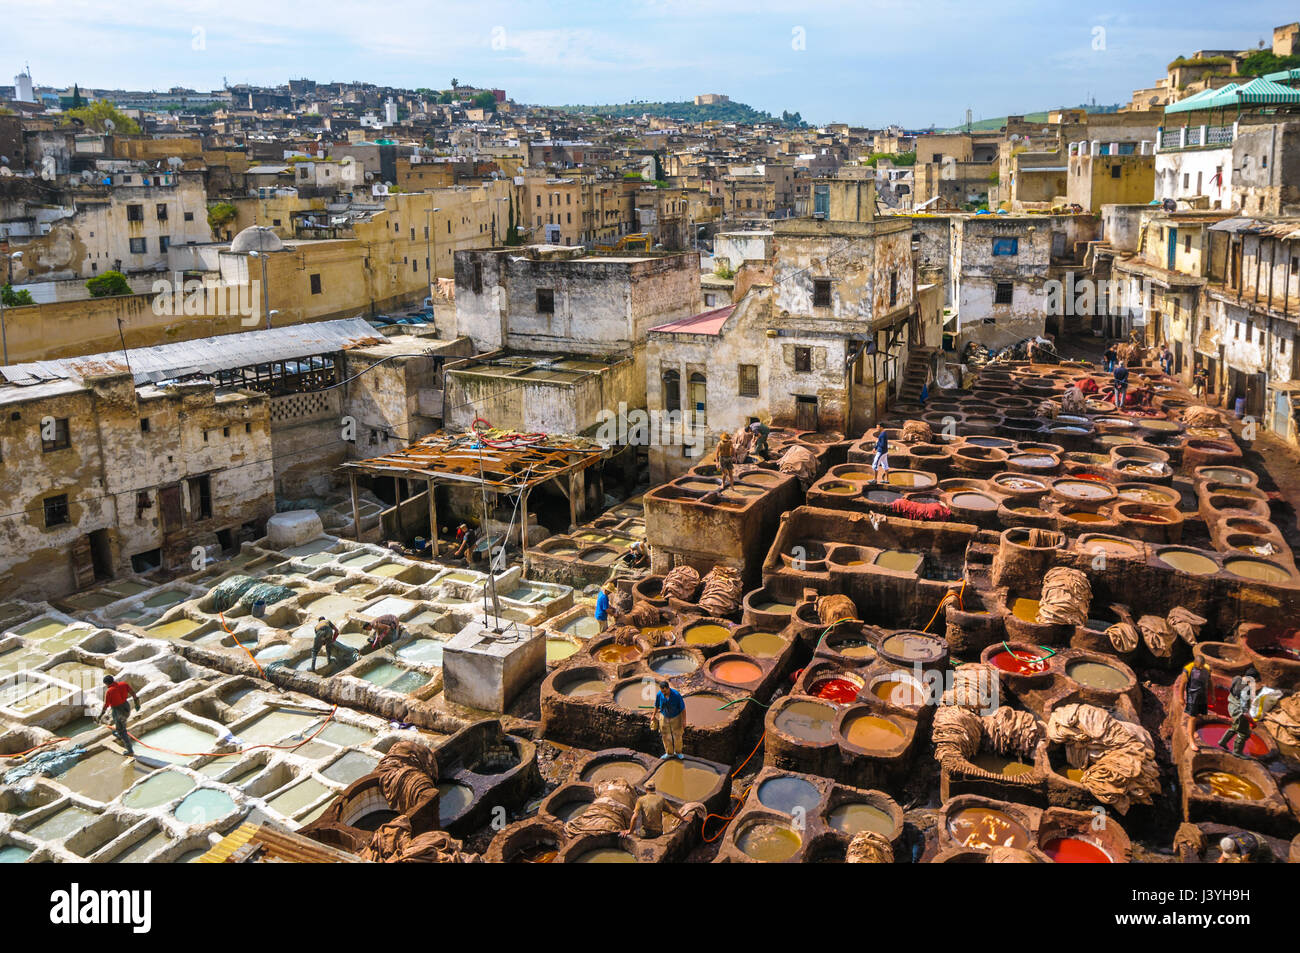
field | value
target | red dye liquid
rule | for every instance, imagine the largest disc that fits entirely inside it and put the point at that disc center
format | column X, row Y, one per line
column 1072, row 850
column 1218, row 700
column 838, row 690
column 1212, row 734
column 1007, row 662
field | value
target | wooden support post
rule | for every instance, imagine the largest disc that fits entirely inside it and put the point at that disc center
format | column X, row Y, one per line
column 356, row 510
column 523, row 531
column 433, row 520
column 573, row 500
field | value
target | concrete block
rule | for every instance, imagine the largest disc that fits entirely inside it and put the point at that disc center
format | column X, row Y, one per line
column 482, row 669
column 293, row 528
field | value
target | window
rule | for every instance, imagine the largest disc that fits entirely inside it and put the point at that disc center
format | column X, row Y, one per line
column 164, row 242
column 1187, row 179
column 1002, row 293
column 893, row 288
column 672, row 390
column 1114, row 171
column 699, row 398
column 201, row 498
column 412, row 233
column 539, row 201
column 478, row 277
column 709, row 299
column 144, row 424
column 803, row 359
column 58, row 436
column 135, row 213
column 1187, row 242
column 138, row 246
column 821, row 292
column 1006, row 246
column 315, row 284
column 161, row 211
column 821, row 201
column 189, row 217
column 748, row 380
column 56, row 510
column 545, row 301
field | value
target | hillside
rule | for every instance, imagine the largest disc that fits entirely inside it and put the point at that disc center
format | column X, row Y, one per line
column 688, row 112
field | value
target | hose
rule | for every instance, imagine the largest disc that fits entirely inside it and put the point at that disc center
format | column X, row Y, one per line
column 200, row 754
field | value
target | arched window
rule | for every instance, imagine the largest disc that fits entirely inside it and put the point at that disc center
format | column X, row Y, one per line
column 672, row 391
column 699, row 398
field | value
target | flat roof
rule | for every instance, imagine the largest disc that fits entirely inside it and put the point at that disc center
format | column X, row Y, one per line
column 203, row 355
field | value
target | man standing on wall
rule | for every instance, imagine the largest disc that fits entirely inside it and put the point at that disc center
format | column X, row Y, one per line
column 117, row 697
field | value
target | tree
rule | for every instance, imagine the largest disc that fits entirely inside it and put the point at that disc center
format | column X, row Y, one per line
column 15, row 299
column 455, row 83
column 484, row 100
column 513, row 237
column 220, row 214
column 97, row 115
column 77, row 99
column 108, row 284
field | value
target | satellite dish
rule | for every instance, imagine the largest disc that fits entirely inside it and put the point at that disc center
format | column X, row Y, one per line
column 1169, row 205
column 175, row 162
column 109, row 125
column 4, row 171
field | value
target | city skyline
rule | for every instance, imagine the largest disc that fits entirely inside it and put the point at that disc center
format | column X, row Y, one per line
column 1042, row 56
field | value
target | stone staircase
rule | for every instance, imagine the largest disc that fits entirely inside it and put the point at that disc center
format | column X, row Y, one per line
column 915, row 376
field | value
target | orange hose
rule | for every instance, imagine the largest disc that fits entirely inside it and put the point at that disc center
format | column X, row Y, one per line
column 43, row 744
column 222, row 617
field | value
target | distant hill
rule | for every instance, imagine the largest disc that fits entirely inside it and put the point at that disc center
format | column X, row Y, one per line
column 987, row 125
column 688, row 112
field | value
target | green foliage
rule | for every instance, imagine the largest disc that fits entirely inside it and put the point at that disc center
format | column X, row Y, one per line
column 1262, row 62
column 96, row 115
column 220, row 214
column 108, row 284
column 898, row 158
column 15, row 299
column 484, row 100
column 688, row 112
column 724, row 270
column 1210, row 61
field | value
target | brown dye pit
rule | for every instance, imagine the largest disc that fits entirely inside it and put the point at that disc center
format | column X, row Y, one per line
column 975, row 501
column 984, row 828
column 807, row 720
column 705, row 709
column 762, row 644
column 1081, row 489
column 902, row 562
column 685, row 780
column 1233, row 786
column 614, row 654
column 1257, row 570
column 904, row 692
column 1113, row 545
column 734, row 671
column 624, row 768
column 1097, row 675
column 997, row 764
column 872, row 733
column 706, row 633
column 768, row 842
column 858, row 816
column 1193, row 563
column 1083, row 516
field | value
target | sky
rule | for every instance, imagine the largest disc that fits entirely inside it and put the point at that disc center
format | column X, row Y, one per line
column 864, row 62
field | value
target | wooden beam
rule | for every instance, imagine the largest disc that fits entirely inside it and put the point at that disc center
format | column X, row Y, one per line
column 433, row 519
column 356, row 510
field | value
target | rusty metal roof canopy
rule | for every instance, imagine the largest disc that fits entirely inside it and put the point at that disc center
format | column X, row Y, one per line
column 513, row 462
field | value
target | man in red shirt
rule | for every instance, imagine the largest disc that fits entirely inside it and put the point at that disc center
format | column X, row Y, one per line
column 117, row 696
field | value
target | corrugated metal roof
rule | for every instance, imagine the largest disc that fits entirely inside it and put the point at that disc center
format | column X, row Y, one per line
column 709, row 322
column 204, row 355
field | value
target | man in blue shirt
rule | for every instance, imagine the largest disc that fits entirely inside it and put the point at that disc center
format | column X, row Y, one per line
column 602, row 607
column 880, row 464
column 670, row 719
column 1121, row 385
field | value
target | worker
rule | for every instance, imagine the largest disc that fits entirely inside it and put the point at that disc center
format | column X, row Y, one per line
column 1108, row 359
column 383, row 630
column 726, row 465
column 637, row 555
column 670, row 719
column 1073, row 401
column 465, row 540
column 116, row 695
column 1241, row 696
column 602, row 607
column 880, row 462
column 1196, row 689
column 1200, row 380
column 649, row 813
column 326, row 633
column 761, row 432
column 1166, row 359
column 1241, row 847
column 1121, row 384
